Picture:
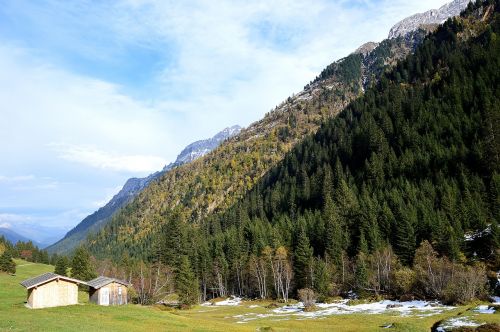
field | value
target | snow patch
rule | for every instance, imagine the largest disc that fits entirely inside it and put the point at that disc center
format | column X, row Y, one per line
column 484, row 309
column 456, row 322
column 231, row 301
column 342, row 307
column 416, row 308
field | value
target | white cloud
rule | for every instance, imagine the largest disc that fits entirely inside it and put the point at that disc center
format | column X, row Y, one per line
column 74, row 109
column 5, row 225
column 16, row 178
column 14, row 218
column 94, row 157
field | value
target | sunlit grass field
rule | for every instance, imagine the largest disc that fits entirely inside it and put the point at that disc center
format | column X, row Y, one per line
column 14, row 316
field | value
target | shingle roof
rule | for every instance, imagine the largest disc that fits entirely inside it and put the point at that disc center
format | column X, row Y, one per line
column 103, row 281
column 46, row 277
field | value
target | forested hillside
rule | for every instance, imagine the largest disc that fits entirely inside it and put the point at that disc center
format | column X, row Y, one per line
column 216, row 181
column 416, row 158
column 402, row 186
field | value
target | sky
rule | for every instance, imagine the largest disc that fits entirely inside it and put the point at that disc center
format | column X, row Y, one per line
column 95, row 92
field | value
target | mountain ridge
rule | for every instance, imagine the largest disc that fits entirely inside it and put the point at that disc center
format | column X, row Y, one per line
column 133, row 187
column 13, row 237
column 430, row 17
column 216, row 181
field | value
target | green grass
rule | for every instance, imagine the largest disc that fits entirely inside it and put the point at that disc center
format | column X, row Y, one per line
column 14, row 316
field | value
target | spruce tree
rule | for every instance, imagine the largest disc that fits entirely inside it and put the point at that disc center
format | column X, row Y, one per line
column 321, row 278
column 7, row 263
column 405, row 239
column 61, row 267
column 334, row 232
column 303, row 261
column 186, row 283
column 361, row 275
column 81, row 266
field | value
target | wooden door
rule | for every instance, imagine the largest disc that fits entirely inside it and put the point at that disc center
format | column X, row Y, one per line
column 104, row 295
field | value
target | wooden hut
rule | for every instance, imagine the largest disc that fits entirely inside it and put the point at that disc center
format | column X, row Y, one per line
column 51, row 290
column 107, row 291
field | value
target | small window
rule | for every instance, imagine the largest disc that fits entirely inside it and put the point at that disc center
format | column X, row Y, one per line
column 119, row 291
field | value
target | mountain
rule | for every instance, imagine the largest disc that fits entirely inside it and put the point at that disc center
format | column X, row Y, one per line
column 430, row 17
column 405, row 173
column 200, row 148
column 385, row 193
column 12, row 236
column 133, row 187
column 195, row 191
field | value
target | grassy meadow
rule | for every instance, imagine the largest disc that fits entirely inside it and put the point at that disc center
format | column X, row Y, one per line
column 14, row 316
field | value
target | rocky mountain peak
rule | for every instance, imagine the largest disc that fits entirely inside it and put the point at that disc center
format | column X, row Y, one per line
column 433, row 16
column 366, row 48
column 200, row 148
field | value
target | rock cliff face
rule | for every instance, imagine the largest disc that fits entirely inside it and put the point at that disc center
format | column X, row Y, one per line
column 133, row 187
column 430, row 17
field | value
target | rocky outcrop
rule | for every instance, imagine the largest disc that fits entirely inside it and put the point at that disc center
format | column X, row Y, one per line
column 433, row 16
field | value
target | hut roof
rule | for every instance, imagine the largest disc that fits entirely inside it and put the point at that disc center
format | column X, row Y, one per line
column 46, row 277
column 103, row 281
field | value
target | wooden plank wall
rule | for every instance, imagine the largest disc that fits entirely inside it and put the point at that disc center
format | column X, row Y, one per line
column 53, row 294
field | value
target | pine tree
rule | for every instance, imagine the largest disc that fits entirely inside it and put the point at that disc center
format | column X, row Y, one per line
column 405, row 239
column 187, row 285
column 321, row 278
column 81, row 267
column 334, row 232
column 61, row 267
column 170, row 246
column 361, row 274
column 303, row 261
column 7, row 263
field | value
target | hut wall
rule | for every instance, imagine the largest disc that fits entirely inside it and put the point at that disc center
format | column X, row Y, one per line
column 53, row 294
column 117, row 294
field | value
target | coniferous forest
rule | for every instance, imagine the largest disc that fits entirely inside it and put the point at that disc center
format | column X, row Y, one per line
column 400, row 187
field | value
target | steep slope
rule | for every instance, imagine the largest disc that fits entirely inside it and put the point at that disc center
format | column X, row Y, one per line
column 133, row 187
column 414, row 160
column 215, row 182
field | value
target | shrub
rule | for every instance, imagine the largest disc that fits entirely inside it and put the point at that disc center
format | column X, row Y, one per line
column 308, row 297
column 403, row 281
column 468, row 283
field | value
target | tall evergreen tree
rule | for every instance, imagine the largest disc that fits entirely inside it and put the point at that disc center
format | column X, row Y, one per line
column 186, row 283
column 321, row 278
column 81, row 266
column 303, row 261
column 7, row 264
column 61, row 267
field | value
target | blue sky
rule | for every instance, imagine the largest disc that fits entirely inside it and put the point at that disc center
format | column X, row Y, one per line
column 95, row 92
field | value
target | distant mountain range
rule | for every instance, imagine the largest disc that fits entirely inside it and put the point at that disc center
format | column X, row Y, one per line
column 133, row 187
column 14, row 237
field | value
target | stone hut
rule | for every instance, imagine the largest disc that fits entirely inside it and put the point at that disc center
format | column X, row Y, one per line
column 51, row 290
column 107, row 291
